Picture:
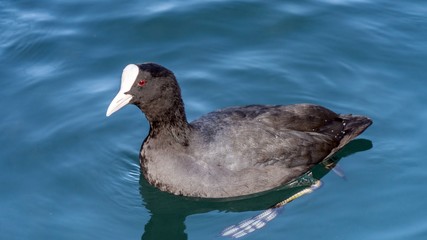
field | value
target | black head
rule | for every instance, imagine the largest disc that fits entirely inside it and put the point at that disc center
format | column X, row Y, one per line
column 150, row 86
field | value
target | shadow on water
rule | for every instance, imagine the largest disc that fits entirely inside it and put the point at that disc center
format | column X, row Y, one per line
column 168, row 212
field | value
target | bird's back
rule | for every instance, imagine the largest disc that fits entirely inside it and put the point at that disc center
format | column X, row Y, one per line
column 256, row 148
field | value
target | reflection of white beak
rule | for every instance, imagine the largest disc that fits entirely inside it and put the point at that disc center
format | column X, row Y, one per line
column 129, row 75
column 118, row 102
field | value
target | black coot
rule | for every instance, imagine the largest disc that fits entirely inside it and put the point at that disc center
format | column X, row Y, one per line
column 231, row 152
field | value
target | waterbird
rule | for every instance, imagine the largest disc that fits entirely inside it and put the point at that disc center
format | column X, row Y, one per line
column 231, row 152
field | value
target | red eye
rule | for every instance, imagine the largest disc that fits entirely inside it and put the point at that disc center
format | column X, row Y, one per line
column 142, row 82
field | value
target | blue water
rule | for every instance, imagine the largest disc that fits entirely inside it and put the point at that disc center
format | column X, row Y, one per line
column 68, row 172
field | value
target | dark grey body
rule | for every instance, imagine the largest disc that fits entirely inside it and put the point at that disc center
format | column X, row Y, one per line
column 244, row 150
column 230, row 152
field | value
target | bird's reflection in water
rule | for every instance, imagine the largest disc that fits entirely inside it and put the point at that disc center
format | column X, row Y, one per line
column 168, row 212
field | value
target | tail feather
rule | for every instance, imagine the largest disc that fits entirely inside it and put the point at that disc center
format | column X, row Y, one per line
column 354, row 125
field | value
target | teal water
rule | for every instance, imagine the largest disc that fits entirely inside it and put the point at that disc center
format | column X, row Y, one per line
column 68, row 172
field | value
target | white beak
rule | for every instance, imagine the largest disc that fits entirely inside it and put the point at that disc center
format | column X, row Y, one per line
column 119, row 101
column 129, row 75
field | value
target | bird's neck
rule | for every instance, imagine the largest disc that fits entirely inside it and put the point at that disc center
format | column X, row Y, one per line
column 170, row 124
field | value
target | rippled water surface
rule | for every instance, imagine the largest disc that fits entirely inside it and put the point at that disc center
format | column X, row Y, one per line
column 68, row 172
